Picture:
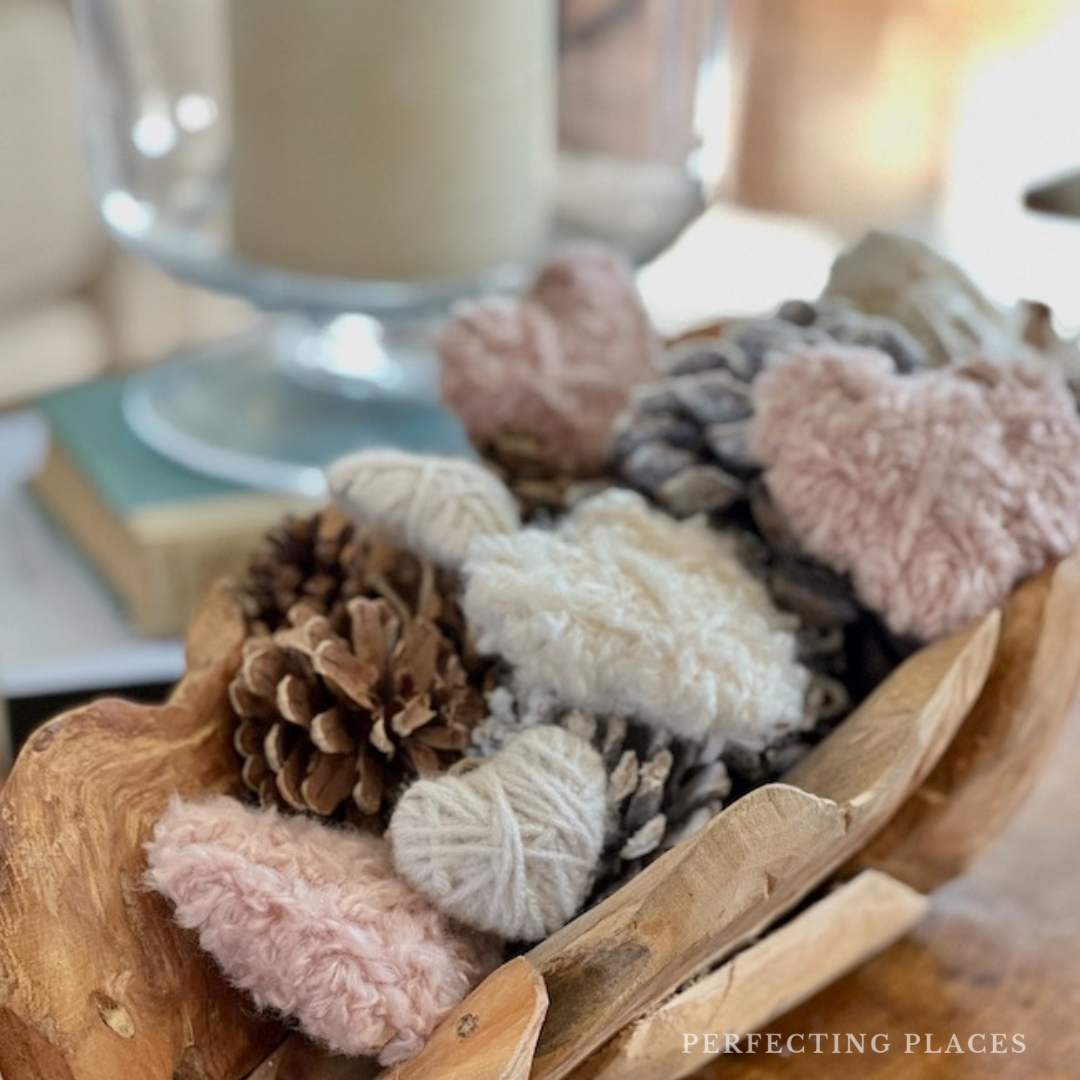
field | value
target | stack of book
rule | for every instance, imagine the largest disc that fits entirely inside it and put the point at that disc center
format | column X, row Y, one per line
column 156, row 532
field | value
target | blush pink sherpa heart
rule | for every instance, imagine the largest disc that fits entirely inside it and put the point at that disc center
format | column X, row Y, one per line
column 557, row 365
column 937, row 492
column 313, row 922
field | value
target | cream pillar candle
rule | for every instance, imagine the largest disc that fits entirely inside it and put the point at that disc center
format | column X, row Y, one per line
column 392, row 139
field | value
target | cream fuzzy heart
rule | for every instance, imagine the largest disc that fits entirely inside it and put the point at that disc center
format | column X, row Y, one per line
column 937, row 492
column 557, row 365
column 622, row 609
column 510, row 846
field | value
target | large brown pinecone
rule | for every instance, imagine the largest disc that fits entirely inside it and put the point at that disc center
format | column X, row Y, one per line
column 325, row 560
column 357, row 676
column 684, row 439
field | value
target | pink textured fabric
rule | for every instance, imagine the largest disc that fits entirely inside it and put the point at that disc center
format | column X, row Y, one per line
column 937, row 492
column 558, row 364
column 314, row 924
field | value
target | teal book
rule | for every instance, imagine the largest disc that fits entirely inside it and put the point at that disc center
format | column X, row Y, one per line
column 158, row 533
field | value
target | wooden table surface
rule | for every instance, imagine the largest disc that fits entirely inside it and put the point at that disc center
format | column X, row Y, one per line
column 999, row 952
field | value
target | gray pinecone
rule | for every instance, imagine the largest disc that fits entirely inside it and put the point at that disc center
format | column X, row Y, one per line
column 684, row 439
column 684, row 443
column 661, row 788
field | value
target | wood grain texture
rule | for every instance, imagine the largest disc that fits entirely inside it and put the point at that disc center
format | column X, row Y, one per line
column 499, row 1022
column 140, row 996
column 685, row 911
column 842, row 930
column 990, row 766
column 881, row 753
column 756, row 859
column 96, row 980
column 999, row 952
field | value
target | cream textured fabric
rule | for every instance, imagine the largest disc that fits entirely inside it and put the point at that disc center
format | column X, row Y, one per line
column 435, row 506
column 511, row 845
column 622, row 609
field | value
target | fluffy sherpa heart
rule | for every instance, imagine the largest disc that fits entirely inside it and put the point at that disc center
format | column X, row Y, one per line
column 937, row 492
column 511, row 845
column 622, row 609
column 314, row 923
column 558, row 364
column 433, row 505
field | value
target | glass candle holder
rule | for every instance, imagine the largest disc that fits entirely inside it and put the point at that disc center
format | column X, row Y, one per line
column 354, row 167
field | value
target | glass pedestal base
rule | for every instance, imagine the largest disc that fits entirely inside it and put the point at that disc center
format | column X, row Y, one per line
column 271, row 409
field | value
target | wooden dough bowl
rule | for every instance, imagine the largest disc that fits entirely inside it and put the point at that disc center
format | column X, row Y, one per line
column 97, row 982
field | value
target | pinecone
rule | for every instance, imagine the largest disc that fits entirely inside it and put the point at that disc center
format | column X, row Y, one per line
column 847, row 649
column 838, row 636
column 845, row 324
column 661, row 788
column 683, row 441
column 684, row 444
column 324, row 560
column 357, row 675
column 542, row 491
column 821, row 598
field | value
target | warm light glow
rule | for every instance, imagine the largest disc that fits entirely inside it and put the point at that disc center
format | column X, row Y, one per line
column 699, row 279
column 1017, row 127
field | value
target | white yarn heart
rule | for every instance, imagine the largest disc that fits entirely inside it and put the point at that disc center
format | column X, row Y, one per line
column 511, row 846
column 433, row 505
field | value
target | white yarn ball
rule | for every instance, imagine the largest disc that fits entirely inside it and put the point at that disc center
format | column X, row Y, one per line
column 511, row 846
column 434, row 505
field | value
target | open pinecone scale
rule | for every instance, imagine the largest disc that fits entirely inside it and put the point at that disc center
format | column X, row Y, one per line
column 354, row 689
column 684, row 440
column 661, row 788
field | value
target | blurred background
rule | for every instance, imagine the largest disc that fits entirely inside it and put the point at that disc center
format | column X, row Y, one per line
column 802, row 123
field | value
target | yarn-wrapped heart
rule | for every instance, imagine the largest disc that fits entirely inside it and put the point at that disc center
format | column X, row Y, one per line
column 511, row 845
column 432, row 505
column 937, row 492
column 313, row 922
column 558, row 364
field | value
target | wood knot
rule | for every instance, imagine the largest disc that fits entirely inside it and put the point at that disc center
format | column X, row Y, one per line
column 44, row 737
column 467, row 1025
column 115, row 1016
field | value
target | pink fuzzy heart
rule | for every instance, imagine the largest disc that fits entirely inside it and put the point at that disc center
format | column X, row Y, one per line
column 313, row 922
column 558, row 364
column 937, row 492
